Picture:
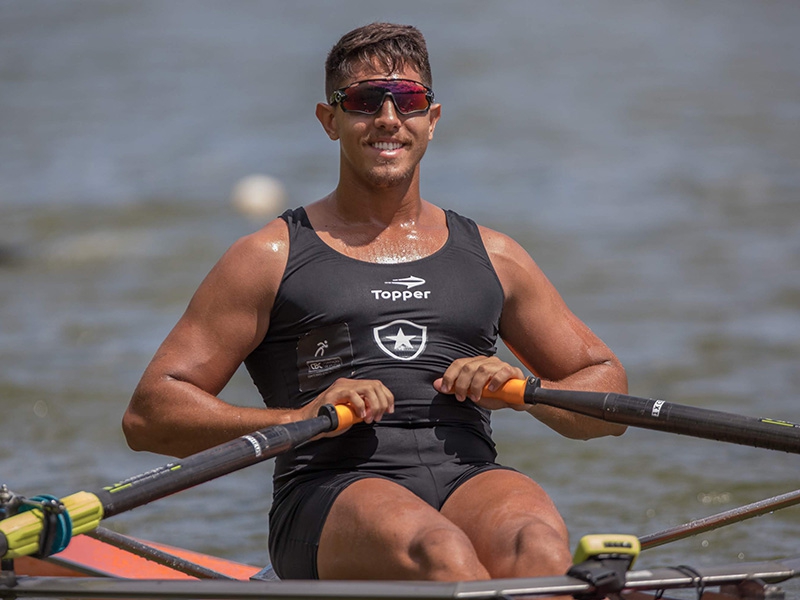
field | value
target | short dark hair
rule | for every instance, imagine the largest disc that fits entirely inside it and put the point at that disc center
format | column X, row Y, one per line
column 392, row 46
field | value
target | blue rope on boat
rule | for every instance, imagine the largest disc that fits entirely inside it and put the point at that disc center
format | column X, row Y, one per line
column 56, row 523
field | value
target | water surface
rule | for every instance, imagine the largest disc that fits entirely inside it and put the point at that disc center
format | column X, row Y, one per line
column 645, row 154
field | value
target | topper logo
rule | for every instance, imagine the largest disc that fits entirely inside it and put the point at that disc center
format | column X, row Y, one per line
column 403, row 295
column 409, row 282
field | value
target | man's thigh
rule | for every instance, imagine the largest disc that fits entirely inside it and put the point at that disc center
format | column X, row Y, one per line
column 377, row 529
column 512, row 523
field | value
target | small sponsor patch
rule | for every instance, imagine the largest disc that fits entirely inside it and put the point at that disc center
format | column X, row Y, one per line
column 324, row 355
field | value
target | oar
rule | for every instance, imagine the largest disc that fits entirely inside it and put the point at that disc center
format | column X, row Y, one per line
column 47, row 530
column 657, row 414
column 735, row 515
column 156, row 555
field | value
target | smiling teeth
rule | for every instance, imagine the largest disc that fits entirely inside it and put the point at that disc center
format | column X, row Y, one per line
column 387, row 145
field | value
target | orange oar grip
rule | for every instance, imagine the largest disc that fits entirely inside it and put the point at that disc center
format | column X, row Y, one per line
column 512, row 391
column 347, row 416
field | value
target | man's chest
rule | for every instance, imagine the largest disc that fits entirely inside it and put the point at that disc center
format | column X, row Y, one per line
column 400, row 245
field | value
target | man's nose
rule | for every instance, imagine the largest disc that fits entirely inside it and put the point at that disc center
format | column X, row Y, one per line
column 388, row 111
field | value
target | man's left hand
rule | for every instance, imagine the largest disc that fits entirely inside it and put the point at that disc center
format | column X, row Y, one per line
column 466, row 378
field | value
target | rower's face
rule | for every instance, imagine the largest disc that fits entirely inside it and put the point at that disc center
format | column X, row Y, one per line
column 383, row 149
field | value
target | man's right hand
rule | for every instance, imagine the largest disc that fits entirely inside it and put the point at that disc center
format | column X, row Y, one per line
column 369, row 398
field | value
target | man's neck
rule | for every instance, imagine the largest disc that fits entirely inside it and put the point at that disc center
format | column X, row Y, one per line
column 383, row 225
column 358, row 202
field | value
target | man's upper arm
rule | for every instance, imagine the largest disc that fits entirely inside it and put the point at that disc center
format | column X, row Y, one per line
column 536, row 323
column 228, row 315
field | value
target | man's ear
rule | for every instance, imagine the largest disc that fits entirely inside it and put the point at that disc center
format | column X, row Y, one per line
column 434, row 114
column 326, row 117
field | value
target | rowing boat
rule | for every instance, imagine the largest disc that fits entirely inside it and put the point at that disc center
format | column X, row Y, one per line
column 99, row 568
column 113, row 555
column 56, row 548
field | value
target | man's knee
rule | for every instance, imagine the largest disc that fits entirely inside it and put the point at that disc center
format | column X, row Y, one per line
column 544, row 549
column 446, row 554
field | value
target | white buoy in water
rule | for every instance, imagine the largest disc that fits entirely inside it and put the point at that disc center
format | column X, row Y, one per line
column 259, row 196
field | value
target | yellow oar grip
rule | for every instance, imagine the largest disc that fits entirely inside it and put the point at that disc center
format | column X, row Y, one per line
column 85, row 510
column 22, row 531
column 512, row 391
column 347, row 416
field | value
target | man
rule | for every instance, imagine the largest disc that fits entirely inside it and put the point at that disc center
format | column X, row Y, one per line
column 374, row 297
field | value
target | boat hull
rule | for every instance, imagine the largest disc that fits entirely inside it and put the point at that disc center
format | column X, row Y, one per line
column 88, row 556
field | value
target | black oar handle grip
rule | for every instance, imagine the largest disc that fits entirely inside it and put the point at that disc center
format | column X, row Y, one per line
column 515, row 391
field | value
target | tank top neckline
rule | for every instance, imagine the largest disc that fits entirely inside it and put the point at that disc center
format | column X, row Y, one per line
column 306, row 222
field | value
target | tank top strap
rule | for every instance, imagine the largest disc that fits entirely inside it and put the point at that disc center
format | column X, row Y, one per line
column 297, row 220
column 464, row 236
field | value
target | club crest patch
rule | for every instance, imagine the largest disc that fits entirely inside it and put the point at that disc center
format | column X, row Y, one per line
column 401, row 339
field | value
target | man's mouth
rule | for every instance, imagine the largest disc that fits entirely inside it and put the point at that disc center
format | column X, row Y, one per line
column 387, row 146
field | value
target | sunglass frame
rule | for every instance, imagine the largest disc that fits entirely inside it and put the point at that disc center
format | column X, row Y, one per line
column 340, row 95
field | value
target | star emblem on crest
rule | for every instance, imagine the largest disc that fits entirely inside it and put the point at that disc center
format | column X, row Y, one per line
column 401, row 339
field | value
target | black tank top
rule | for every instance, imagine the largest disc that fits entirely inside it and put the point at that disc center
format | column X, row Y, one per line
column 400, row 323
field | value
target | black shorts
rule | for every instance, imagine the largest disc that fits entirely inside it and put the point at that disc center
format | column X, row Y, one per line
column 429, row 468
column 297, row 518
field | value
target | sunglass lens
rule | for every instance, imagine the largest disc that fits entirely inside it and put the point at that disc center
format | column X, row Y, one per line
column 409, row 97
column 410, row 103
column 367, row 97
column 364, row 98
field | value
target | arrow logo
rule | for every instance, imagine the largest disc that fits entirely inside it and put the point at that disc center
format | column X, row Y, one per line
column 409, row 282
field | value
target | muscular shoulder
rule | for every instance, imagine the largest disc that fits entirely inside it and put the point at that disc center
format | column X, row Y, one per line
column 504, row 251
column 267, row 246
column 518, row 272
column 255, row 262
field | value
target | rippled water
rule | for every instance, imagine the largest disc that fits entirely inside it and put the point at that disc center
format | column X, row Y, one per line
column 646, row 154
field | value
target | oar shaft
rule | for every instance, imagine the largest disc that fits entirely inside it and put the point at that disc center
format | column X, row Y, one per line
column 735, row 515
column 207, row 465
column 20, row 534
column 677, row 418
column 139, row 548
column 660, row 415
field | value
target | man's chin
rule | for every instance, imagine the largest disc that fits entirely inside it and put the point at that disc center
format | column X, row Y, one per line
column 389, row 178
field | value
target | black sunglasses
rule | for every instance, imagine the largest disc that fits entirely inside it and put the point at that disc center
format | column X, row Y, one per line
column 367, row 97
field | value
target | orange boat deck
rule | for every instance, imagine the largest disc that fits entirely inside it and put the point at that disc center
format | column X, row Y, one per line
column 88, row 556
